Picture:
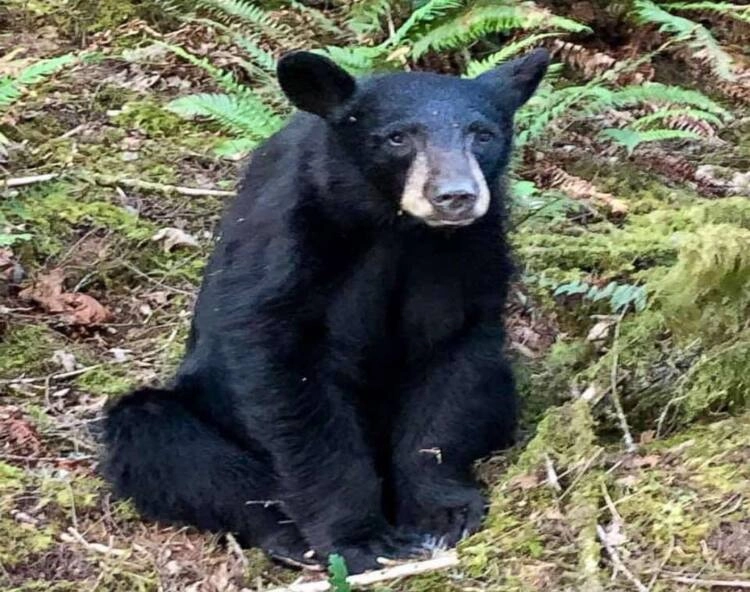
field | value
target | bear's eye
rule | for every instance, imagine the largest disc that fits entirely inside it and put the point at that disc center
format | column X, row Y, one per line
column 484, row 136
column 396, row 139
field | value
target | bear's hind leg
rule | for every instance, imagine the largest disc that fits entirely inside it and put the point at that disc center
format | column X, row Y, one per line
column 178, row 469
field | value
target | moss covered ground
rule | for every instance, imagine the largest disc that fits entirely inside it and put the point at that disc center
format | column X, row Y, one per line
column 576, row 506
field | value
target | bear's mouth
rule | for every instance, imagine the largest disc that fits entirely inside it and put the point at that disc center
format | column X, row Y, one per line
column 438, row 222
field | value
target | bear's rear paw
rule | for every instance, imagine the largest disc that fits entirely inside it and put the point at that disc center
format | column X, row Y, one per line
column 446, row 515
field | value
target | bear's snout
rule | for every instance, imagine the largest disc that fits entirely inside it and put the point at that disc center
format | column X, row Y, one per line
column 455, row 200
column 446, row 188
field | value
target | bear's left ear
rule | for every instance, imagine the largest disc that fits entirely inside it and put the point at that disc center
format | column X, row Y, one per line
column 313, row 83
column 515, row 81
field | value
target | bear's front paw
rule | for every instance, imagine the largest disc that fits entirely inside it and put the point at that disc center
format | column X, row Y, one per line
column 446, row 513
column 392, row 545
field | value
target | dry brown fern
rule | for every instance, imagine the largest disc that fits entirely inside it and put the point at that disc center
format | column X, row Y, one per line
column 576, row 188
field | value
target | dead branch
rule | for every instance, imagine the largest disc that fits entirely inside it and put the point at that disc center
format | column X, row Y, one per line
column 403, row 570
column 708, row 583
column 620, row 412
column 111, row 181
column 617, row 561
column 21, row 181
column 73, row 536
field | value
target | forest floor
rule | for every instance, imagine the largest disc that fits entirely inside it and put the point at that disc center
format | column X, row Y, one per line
column 98, row 299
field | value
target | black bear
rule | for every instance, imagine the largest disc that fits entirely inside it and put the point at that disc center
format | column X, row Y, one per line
column 345, row 363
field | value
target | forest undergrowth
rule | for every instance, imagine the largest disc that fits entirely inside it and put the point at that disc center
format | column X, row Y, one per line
column 123, row 127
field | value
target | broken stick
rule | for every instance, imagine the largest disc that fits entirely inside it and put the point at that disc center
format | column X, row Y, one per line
column 402, row 570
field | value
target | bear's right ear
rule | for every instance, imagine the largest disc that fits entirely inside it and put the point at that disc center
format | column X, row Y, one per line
column 313, row 83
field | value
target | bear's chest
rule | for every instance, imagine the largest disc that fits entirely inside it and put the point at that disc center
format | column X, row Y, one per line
column 392, row 311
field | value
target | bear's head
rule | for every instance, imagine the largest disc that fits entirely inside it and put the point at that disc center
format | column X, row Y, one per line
column 431, row 144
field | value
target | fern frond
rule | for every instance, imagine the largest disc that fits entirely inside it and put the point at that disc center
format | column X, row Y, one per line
column 670, row 113
column 365, row 17
column 549, row 105
column 235, row 146
column 698, row 37
column 249, row 43
column 356, row 60
column 480, row 21
column 9, row 91
column 324, row 24
column 242, row 115
column 662, row 93
column 224, row 79
column 42, row 69
column 727, row 9
column 11, row 87
column 431, row 10
column 476, row 67
column 630, row 139
column 250, row 14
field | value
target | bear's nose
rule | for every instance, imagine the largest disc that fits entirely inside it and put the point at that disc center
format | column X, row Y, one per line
column 455, row 202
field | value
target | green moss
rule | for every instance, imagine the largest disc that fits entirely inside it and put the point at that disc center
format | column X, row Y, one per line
column 17, row 539
column 150, row 118
column 108, row 379
column 548, row 382
column 115, row 579
column 584, row 517
column 27, row 350
column 71, row 492
column 20, row 541
column 54, row 213
column 11, row 478
column 707, row 292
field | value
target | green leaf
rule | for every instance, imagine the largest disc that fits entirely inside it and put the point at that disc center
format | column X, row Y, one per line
column 235, row 147
column 338, row 573
column 627, row 138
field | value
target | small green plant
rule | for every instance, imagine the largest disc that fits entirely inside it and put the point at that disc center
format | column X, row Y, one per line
column 337, row 574
column 620, row 296
column 697, row 37
column 12, row 87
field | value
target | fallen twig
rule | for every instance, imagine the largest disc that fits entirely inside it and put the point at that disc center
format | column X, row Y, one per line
column 50, row 377
column 619, row 411
column 21, row 181
column 73, row 536
column 446, row 561
column 161, row 187
column 709, row 583
column 617, row 561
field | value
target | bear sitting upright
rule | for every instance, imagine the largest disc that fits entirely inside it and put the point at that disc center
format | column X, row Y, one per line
column 345, row 363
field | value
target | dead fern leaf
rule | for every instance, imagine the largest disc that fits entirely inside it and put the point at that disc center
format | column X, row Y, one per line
column 580, row 189
column 589, row 61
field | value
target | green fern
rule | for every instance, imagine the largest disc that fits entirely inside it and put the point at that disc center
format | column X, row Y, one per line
column 620, row 296
column 323, row 23
column 366, row 17
column 727, row 9
column 665, row 114
column 11, row 88
column 662, row 93
column 243, row 114
column 264, row 59
column 476, row 67
column 479, row 21
column 428, row 12
column 225, row 79
column 251, row 14
column 630, row 139
column 697, row 36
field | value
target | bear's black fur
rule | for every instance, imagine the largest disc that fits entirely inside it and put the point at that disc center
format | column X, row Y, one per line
column 345, row 365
